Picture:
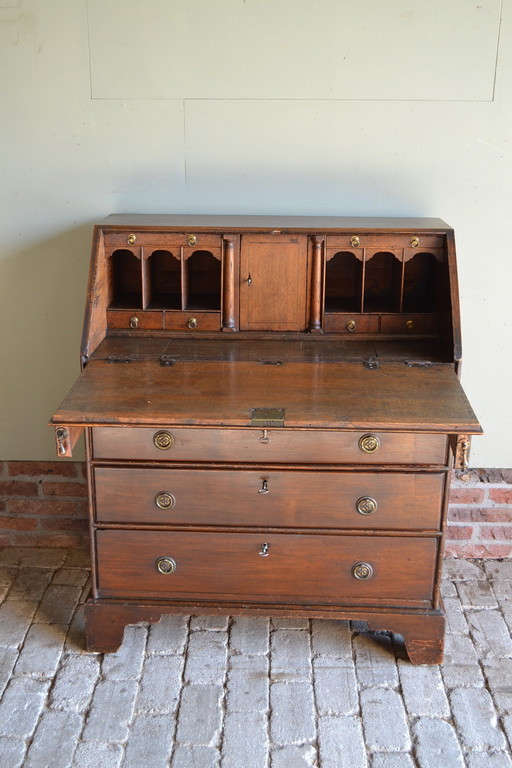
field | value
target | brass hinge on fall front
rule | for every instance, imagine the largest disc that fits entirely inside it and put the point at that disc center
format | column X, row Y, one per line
column 267, row 417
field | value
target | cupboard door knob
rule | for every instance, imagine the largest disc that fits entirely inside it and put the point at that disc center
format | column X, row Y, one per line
column 415, row 241
column 163, row 440
column 362, row 571
column 132, row 239
column 192, row 322
column 165, row 500
column 192, row 239
column 366, row 505
column 369, row 443
column 134, row 322
column 264, row 488
column 165, row 565
column 350, row 325
column 264, row 550
column 354, row 241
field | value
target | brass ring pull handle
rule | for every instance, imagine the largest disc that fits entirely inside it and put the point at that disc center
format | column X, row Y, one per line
column 265, row 439
column 192, row 239
column 409, row 325
column 415, row 241
column 131, row 239
column 350, row 326
column 264, row 550
column 163, row 440
column 165, row 565
column 362, row 571
column 366, row 505
column 192, row 322
column 134, row 322
column 165, row 500
column 369, row 443
column 354, row 241
column 264, row 488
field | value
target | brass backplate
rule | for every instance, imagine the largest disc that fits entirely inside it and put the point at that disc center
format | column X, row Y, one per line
column 267, row 417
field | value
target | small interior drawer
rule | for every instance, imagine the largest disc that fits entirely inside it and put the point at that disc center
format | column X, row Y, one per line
column 163, row 239
column 191, row 320
column 269, row 567
column 410, row 323
column 268, row 445
column 351, row 324
column 133, row 319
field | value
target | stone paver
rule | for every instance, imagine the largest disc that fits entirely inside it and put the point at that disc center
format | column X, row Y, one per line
column 55, row 740
column 200, row 715
column 384, row 720
column 151, row 740
column 111, row 711
column 475, row 718
column 160, row 685
column 262, row 692
column 341, row 743
column 436, row 744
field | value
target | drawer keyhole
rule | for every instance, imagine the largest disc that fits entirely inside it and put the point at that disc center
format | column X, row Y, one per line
column 264, row 488
column 264, row 550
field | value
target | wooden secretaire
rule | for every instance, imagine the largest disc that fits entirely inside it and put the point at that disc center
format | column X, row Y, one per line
column 271, row 411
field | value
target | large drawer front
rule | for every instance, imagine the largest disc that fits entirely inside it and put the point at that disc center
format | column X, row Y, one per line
column 387, row 500
column 265, row 567
column 271, row 445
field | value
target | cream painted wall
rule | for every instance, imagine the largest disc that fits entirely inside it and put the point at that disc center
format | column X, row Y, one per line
column 264, row 106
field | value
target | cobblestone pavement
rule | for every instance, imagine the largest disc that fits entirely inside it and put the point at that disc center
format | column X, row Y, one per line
column 213, row 692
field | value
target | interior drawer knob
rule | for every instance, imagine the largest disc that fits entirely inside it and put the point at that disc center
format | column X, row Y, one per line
column 165, row 500
column 366, row 505
column 192, row 322
column 165, row 565
column 350, row 326
column 163, row 440
column 354, row 241
column 132, row 239
column 415, row 241
column 362, row 571
column 369, row 443
column 134, row 322
column 192, row 239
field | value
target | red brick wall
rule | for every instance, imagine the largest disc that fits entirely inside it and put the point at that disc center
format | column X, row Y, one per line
column 44, row 504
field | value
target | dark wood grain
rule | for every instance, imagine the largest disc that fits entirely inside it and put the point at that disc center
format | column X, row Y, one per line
column 316, row 499
column 229, row 565
column 273, row 445
column 325, row 395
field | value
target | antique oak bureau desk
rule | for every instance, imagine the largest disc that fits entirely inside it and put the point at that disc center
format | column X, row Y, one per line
column 271, row 410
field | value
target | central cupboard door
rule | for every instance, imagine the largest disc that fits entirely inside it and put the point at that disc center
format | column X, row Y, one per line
column 273, row 283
